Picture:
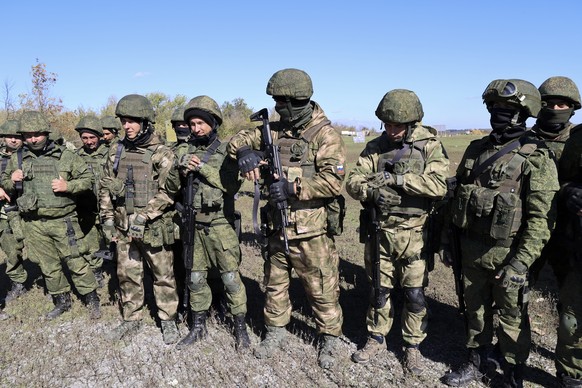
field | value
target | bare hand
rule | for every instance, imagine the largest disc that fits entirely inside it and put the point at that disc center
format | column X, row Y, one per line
column 17, row 176
column 4, row 196
column 59, row 185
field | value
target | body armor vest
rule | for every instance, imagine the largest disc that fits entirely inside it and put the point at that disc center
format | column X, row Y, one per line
column 407, row 159
column 44, row 169
column 145, row 186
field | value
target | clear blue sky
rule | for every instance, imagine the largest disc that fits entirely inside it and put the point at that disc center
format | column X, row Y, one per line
column 446, row 51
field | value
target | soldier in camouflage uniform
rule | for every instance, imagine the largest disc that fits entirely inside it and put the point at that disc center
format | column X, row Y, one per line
column 505, row 208
column 11, row 237
column 401, row 173
column 312, row 158
column 94, row 153
column 568, row 266
column 136, row 197
column 51, row 176
column 180, row 127
column 216, row 181
column 111, row 128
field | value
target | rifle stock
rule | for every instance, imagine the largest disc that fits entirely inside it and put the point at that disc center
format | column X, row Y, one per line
column 273, row 158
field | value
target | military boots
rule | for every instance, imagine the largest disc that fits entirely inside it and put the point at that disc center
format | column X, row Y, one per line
column 512, row 375
column 273, row 340
column 374, row 346
column 413, row 360
column 125, row 330
column 62, row 303
column 240, row 333
column 568, row 381
column 197, row 331
column 170, row 332
column 327, row 345
column 468, row 372
column 93, row 304
column 16, row 290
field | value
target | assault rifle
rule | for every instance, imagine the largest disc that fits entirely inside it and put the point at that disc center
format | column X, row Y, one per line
column 129, row 190
column 271, row 155
column 188, row 217
column 370, row 232
column 455, row 248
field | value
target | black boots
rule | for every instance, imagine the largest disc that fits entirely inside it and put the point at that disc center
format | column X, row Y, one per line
column 16, row 290
column 470, row 371
column 512, row 376
column 197, row 331
column 240, row 333
column 93, row 304
column 62, row 303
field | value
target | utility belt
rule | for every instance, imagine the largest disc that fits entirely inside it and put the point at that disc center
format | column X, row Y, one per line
column 208, row 214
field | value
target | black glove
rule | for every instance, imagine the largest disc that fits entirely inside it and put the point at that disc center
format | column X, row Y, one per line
column 384, row 198
column 573, row 195
column 513, row 275
column 281, row 190
column 248, row 159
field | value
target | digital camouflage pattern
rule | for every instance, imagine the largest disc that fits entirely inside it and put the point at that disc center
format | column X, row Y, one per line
column 487, row 245
column 423, row 174
column 400, row 106
column 312, row 252
column 9, row 127
column 33, row 121
column 560, row 87
column 293, row 83
column 92, row 123
column 216, row 244
column 203, row 103
column 514, row 91
column 154, row 248
column 136, row 106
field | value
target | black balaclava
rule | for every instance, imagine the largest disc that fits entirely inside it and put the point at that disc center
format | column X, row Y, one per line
column 507, row 124
column 551, row 121
column 295, row 113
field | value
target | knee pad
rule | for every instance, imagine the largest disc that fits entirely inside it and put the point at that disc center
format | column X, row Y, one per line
column 382, row 298
column 197, row 281
column 231, row 282
column 415, row 301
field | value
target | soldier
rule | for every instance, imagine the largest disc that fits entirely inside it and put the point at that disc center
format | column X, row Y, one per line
column 180, row 127
column 11, row 237
column 401, row 173
column 216, row 181
column 505, row 208
column 560, row 98
column 567, row 261
column 312, row 158
column 136, row 198
column 51, row 176
column 111, row 127
column 94, row 153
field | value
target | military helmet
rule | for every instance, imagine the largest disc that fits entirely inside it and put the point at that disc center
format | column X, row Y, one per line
column 201, row 104
column 178, row 115
column 9, row 128
column 516, row 92
column 111, row 123
column 92, row 123
column 561, row 87
column 291, row 83
column 34, row 121
column 400, row 106
column 135, row 106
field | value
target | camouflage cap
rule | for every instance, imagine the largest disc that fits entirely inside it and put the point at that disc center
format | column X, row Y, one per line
column 560, row 87
column 293, row 83
column 91, row 123
column 135, row 106
column 34, row 121
column 10, row 128
column 514, row 91
column 400, row 106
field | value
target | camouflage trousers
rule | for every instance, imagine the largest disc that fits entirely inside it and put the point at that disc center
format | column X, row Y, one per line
column 93, row 238
column 131, row 258
column 12, row 246
column 400, row 264
column 216, row 246
column 569, row 345
column 316, row 262
column 49, row 244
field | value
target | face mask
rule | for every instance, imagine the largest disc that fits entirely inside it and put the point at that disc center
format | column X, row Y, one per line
column 554, row 116
column 296, row 115
column 501, row 118
column 38, row 146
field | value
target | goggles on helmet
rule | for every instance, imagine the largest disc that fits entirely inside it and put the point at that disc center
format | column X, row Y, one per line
column 504, row 90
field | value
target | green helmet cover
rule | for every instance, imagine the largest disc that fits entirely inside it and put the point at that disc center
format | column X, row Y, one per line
column 10, row 128
column 90, row 122
column 178, row 115
column 292, row 83
column 400, row 106
column 516, row 92
column 135, row 106
column 560, row 87
column 111, row 123
column 34, row 121
column 205, row 104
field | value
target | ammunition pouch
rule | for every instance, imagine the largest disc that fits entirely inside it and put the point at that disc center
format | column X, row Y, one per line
column 336, row 212
column 27, row 203
column 160, row 232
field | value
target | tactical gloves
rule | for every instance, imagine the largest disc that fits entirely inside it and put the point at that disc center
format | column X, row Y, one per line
column 573, row 194
column 513, row 276
column 248, row 159
column 137, row 227
column 381, row 179
column 281, row 190
column 384, row 198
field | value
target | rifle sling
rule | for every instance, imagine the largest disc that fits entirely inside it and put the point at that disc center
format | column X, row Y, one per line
column 483, row 166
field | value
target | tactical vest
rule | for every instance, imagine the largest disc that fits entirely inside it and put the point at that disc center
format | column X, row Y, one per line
column 298, row 158
column 43, row 169
column 145, row 186
column 491, row 204
column 410, row 158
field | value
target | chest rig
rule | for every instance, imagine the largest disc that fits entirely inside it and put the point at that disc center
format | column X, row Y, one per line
column 136, row 169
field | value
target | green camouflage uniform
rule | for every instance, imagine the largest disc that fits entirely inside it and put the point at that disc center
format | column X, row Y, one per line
column 505, row 213
column 216, row 243
column 11, row 237
column 155, row 184
column 50, row 224
column 89, row 212
column 423, row 169
column 569, row 345
column 316, row 157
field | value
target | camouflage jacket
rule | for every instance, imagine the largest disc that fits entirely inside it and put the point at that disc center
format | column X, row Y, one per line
column 427, row 181
column 554, row 143
column 70, row 166
column 326, row 154
column 95, row 161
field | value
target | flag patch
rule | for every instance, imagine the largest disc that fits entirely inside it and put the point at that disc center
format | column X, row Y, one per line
column 340, row 169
